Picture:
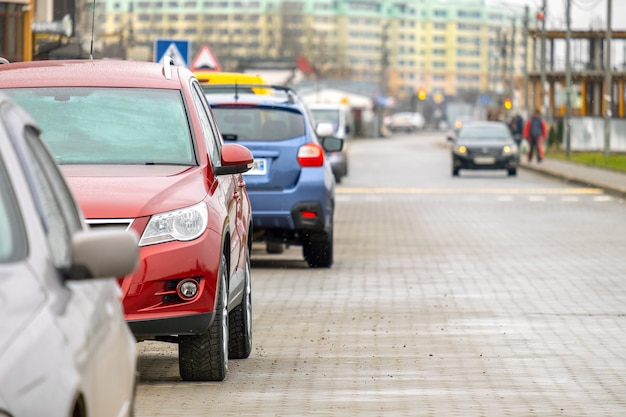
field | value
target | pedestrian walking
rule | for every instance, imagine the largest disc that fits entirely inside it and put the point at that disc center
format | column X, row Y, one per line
column 535, row 131
column 517, row 128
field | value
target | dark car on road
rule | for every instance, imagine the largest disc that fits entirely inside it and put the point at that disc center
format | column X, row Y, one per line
column 140, row 149
column 291, row 186
column 484, row 145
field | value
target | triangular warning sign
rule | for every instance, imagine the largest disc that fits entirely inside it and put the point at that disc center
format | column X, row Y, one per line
column 174, row 52
column 205, row 60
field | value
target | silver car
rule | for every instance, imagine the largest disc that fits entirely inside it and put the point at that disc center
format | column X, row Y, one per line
column 65, row 348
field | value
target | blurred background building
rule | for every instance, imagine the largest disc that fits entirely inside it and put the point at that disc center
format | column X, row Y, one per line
column 444, row 48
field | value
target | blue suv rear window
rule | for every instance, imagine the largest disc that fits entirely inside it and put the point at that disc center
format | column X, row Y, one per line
column 244, row 123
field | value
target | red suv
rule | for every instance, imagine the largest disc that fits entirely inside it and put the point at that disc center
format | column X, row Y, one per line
column 140, row 149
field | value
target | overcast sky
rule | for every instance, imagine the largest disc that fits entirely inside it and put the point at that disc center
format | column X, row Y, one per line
column 585, row 13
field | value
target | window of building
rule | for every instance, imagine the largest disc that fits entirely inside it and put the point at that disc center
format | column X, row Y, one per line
column 468, row 52
column 468, row 65
column 468, row 40
column 468, row 27
column 292, row 5
column 468, row 14
column 365, row 6
column 440, row 13
column 467, row 78
column 191, row 18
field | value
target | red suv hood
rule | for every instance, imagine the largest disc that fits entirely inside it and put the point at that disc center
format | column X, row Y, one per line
column 130, row 191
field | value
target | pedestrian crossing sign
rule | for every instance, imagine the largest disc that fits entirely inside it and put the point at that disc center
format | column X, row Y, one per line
column 177, row 49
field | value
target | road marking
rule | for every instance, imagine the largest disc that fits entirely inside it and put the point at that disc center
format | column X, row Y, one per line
column 438, row 191
column 603, row 198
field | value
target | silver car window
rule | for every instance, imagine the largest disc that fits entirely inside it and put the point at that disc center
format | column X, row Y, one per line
column 13, row 245
column 62, row 218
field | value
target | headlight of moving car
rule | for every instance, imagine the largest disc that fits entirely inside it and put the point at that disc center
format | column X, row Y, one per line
column 509, row 149
column 460, row 150
column 183, row 224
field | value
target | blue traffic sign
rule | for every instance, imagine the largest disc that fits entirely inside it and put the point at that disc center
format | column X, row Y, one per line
column 177, row 49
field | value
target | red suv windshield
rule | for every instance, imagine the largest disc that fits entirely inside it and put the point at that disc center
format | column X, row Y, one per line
column 95, row 125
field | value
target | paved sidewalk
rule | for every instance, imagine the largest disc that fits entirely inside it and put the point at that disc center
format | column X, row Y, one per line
column 613, row 182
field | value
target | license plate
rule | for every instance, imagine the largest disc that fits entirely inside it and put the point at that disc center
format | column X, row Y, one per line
column 259, row 167
column 484, row 160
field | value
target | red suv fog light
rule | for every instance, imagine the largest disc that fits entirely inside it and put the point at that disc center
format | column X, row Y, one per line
column 187, row 289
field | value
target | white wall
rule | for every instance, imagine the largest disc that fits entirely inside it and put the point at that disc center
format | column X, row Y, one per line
column 587, row 134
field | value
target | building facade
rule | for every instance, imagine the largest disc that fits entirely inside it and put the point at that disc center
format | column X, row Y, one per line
column 452, row 48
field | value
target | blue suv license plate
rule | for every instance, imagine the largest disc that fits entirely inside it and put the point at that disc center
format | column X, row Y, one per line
column 259, row 167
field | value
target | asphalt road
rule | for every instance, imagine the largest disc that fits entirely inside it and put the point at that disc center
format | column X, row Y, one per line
column 482, row 295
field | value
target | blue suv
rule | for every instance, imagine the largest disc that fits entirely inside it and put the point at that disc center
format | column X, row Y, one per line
column 291, row 186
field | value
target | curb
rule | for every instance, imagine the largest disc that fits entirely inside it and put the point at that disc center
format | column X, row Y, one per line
column 609, row 189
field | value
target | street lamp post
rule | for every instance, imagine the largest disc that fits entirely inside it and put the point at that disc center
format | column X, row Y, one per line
column 525, row 64
column 544, row 92
column 608, row 88
column 568, row 82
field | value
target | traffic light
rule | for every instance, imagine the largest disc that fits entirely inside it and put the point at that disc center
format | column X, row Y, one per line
column 508, row 104
column 540, row 14
column 421, row 94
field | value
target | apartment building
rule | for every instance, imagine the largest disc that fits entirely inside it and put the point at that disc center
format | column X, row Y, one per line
column 452, row 48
